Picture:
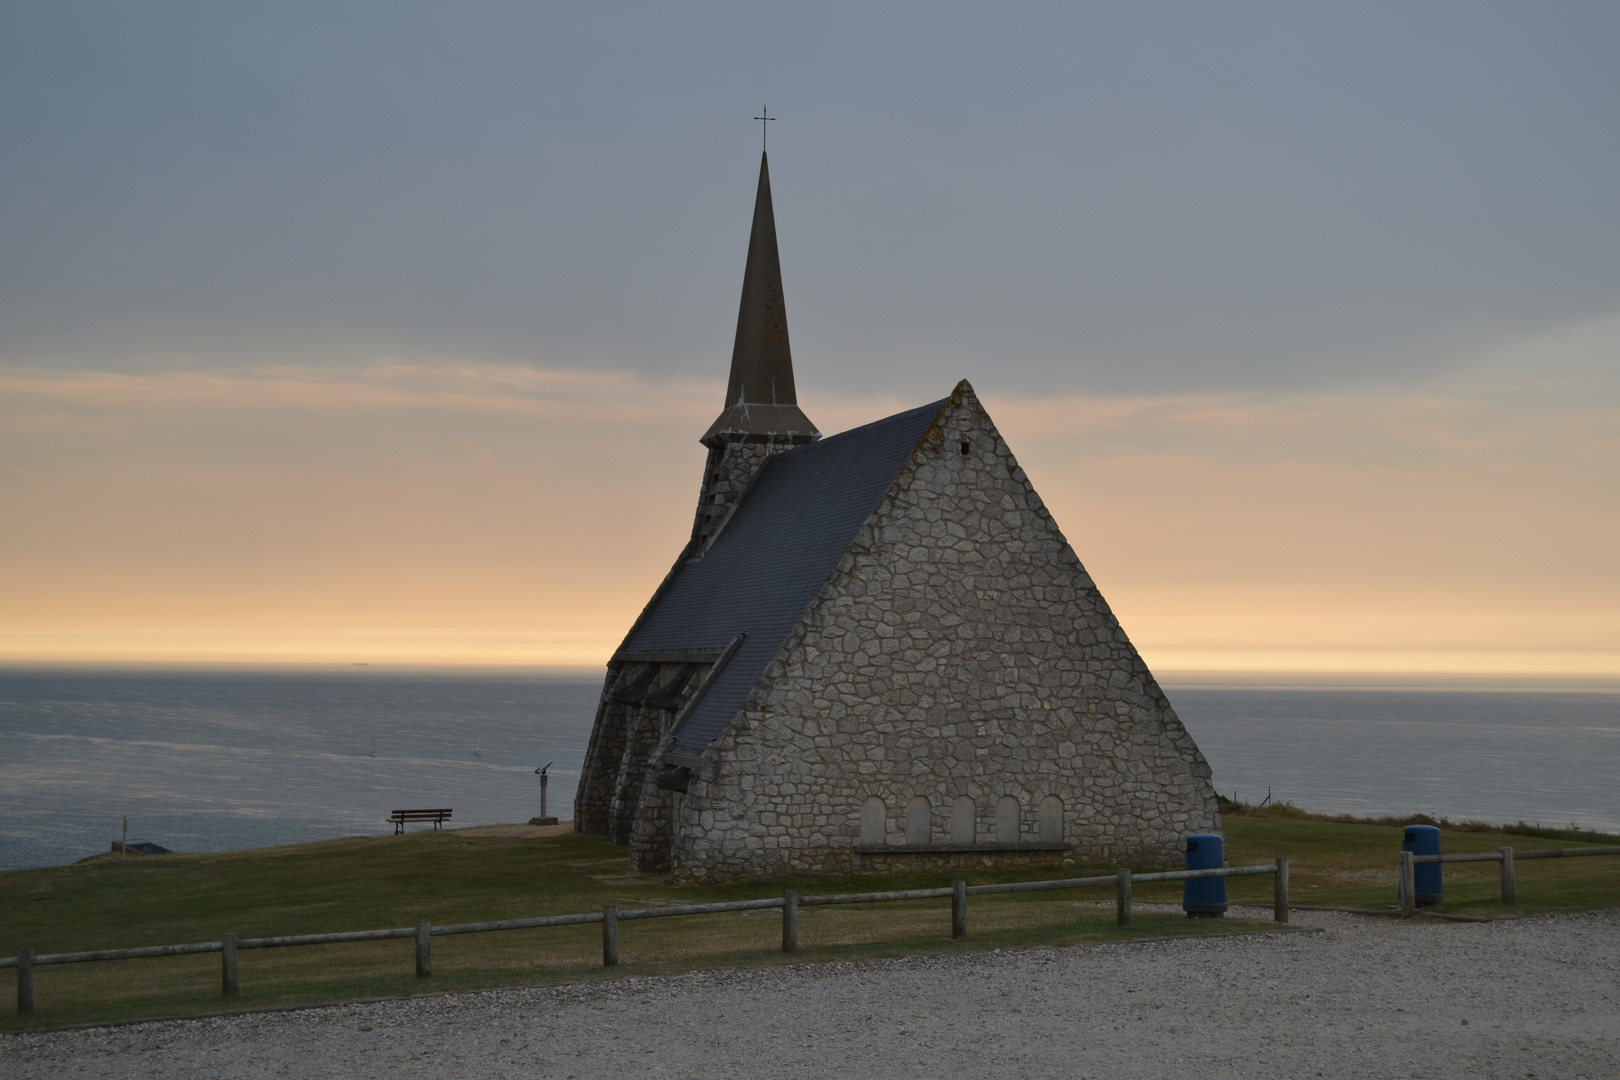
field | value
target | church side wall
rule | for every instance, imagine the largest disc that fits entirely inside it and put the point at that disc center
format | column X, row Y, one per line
column 960, row 652
column 593, row 800
column 617, row 788
column 644, row 729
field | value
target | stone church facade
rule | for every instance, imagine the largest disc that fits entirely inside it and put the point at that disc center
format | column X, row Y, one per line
column 877, row 652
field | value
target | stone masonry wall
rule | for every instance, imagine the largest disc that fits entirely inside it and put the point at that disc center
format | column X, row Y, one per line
column 729, row 470
column 634, row 719
column 593, row 798
column 959, row 650
column 618, row 793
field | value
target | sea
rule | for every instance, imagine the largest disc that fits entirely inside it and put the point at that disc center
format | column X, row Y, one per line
column 208, row 760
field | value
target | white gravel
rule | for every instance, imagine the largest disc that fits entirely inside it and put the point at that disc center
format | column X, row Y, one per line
column 1363, row 998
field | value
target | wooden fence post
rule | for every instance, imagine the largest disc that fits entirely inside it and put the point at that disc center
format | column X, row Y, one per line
column 227, row 964
column 610, row 935
column 25, row 982
column 958, row 909
column 1279, row 891
column 424, row 949
column 1510, row 891
column 1123, row 901
column 790, row 921
column 1408, row 888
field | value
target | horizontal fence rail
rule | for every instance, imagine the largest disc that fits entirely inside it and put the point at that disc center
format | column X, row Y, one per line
column 1406, row 884
column 1519, row 856
column 517, row 924
column 324, row 939
column 119, row 954
column 958, row 891
column 610, row 917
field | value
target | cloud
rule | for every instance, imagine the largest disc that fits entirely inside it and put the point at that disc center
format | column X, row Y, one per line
column 449, row 386
column 1097, row 200
column 443, row 511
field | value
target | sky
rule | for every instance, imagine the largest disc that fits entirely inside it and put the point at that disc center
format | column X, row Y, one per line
column 385, row 332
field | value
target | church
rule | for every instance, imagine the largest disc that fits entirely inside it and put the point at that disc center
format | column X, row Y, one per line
column 877, row 652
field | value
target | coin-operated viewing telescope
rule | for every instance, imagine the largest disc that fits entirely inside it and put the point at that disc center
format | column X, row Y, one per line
column 544, row 818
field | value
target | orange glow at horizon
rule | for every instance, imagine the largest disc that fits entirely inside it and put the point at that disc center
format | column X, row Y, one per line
column 445, row 513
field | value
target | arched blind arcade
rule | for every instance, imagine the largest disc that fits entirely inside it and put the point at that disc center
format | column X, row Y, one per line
column 873, row 827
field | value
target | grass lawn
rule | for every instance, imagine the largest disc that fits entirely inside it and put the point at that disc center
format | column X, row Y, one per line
column 1353, row 864
column 375, row 882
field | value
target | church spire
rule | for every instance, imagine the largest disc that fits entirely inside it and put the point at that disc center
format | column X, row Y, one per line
column 761, row 405
column 761, row 417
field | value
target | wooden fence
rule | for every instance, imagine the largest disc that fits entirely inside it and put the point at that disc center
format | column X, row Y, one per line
column 229, row 946
column 1505, row 856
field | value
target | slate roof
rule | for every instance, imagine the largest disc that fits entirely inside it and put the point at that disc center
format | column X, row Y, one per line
column 771, row 559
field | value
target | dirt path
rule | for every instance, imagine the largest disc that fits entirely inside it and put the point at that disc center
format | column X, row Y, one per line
column 1364, row 998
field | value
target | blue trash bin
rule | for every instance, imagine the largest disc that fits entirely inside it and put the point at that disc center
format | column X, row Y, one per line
column 1204, row 897
column 1423, row 840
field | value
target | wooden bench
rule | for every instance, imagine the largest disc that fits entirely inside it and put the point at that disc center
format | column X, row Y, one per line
column 400, row 817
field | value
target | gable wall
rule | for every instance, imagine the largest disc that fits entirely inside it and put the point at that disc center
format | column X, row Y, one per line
column 959, row 649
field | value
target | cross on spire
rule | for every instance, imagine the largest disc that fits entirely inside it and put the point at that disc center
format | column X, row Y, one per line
column 763, row 122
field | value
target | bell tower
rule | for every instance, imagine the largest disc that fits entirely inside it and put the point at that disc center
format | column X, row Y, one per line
column 761, row 416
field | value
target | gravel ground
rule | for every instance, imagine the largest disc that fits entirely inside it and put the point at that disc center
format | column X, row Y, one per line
column 1362, row 998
